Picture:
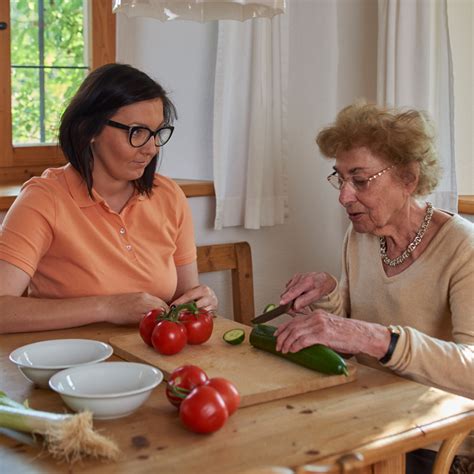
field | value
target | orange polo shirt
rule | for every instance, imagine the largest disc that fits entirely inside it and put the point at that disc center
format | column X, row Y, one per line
column 72, row 246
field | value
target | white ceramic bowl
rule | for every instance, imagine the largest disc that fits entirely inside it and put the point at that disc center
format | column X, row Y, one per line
column 41, row 360
column 109, row 389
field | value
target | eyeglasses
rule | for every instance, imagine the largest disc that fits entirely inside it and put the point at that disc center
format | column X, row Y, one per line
column 359, row 183
column 138, row 135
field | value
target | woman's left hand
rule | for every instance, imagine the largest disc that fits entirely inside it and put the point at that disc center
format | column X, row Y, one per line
column 203, row 295
column 343, row 335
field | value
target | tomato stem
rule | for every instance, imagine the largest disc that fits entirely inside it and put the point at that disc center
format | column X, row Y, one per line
column 174, row 311
column 179, row 392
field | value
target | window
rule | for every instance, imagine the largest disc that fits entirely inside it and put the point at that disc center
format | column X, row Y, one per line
column 20, row 158
column 49, row 60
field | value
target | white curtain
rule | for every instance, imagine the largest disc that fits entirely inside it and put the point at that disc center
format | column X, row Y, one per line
column 415, row 70
column 249, row 129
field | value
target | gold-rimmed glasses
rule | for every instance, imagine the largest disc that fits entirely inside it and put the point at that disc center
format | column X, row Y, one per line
column 359, row 183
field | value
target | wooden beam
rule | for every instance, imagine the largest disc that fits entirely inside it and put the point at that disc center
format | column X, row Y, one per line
column 6, row 156
column 103, row 27
column 466, row 204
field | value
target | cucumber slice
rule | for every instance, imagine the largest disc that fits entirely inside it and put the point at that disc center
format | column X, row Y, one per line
column 269, row 307
column 234, row 336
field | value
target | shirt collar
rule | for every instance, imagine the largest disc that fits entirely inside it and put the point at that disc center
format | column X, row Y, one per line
column 78, row 189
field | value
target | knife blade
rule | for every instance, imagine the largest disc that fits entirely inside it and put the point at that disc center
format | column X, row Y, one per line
column 274, row 313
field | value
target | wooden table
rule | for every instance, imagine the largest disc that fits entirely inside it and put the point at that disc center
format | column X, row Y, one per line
column 380, row 415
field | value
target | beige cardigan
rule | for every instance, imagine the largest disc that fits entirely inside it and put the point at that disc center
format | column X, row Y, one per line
column 432, row 302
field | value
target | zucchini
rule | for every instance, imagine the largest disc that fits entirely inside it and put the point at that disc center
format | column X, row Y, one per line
column 317, row 357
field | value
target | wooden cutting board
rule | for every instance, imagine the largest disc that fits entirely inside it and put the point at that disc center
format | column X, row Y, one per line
column 258, row 375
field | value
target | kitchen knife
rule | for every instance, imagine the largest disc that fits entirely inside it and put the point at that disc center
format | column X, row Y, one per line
column 274, row 313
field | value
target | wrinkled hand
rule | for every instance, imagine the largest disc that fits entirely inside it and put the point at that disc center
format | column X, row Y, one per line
column 340, row 334
column 129, row 308
column 307, row 288
column 203, row 295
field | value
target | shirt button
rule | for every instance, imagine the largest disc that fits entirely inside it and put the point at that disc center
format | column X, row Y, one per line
column 122, row 230
column 128, row 247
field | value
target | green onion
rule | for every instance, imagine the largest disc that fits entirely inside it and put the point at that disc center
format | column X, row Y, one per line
column 67, row 437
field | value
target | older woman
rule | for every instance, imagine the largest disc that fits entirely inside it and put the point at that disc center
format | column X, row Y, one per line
column 405, row 293
column 103, row 238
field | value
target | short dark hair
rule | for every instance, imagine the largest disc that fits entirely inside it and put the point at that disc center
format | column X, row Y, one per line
column 103, row 92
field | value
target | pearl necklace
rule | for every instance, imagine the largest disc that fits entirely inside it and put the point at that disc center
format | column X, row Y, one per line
column 411, row 246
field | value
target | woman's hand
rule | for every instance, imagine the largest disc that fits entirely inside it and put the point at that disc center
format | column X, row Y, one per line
column 307, row 288
column 129, row 308
column 340, row 334
column 203, row 295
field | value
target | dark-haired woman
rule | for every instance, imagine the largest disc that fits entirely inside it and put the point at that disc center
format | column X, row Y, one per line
column 103, row 238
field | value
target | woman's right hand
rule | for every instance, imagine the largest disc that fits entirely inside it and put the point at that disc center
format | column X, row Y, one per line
column 129, row 308
column 307, row 288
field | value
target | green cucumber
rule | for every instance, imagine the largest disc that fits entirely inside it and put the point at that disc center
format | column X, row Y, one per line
column 269, row 307
column 317, row 357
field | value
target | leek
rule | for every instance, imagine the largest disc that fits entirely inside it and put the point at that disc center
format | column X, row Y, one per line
column 67, row 437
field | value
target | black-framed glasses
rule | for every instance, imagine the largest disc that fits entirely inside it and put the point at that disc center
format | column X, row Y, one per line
column 139, row 135
column 359, row 183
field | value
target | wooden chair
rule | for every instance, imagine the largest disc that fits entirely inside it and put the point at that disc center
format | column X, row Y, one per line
column 236, row 257
column 354, row 463
column 447, row 451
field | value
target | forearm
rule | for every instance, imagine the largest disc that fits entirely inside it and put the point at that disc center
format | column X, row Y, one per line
column 445, row 364
column 343, row 335
column 358, row 337
column 19, row 314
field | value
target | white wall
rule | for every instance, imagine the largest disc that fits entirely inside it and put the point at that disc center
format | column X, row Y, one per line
column 181, row 56
column 461, row 27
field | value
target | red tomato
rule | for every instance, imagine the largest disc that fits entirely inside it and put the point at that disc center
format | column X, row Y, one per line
column 186, row 378
column 148, row 323
column 168, row 337
column 198, row 325
column 227, row 391
column 203, row 410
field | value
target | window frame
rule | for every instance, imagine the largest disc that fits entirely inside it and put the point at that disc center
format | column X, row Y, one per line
column 20, row 163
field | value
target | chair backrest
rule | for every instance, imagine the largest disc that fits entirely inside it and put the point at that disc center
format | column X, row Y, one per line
column 236, row 257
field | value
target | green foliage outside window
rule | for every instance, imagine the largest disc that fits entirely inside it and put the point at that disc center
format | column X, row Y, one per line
column 60, row 55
